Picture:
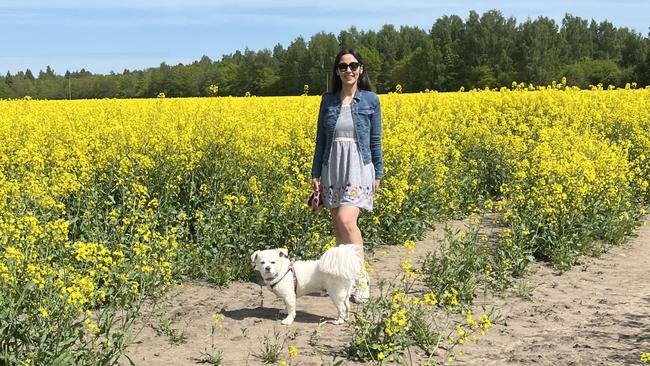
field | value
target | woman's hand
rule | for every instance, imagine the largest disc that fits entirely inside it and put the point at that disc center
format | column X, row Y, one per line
column 377, row 183
column 315, row 186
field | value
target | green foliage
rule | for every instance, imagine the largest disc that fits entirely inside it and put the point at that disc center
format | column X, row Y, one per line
column 212, row 358
column 272, row 347
column 461, row 263
column 593, row 72
column 401, row 322
column 484, row 50
column 166, row 327
column 59, row 336
column 466, row 262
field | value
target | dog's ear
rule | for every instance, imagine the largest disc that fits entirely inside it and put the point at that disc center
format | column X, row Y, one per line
column 283, row 252
column 253, row 257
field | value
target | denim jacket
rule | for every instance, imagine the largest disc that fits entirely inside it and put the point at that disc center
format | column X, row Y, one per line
column 366, row 117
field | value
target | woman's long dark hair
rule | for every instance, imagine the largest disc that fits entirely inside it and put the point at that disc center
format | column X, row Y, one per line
column 362, row 83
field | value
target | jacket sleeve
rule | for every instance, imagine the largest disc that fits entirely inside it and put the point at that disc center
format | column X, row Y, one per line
column 375, row 141
column 317, row 162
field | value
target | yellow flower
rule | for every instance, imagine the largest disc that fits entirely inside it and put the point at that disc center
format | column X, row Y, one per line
column 409, row 245
column 406, row 265
column 430, row 298
column 67, row 164
column 217, row 318
column 293, row 351
column 645, row 357
column 485, row 323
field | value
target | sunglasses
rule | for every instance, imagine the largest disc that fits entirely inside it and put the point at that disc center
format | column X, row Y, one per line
column 352, row 65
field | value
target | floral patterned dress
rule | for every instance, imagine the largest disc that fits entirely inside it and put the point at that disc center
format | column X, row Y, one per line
column 345, row 180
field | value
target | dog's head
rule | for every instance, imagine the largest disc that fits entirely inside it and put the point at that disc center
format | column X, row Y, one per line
column 270, row 262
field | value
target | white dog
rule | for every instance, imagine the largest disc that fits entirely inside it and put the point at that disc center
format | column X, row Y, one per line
column 334, row 272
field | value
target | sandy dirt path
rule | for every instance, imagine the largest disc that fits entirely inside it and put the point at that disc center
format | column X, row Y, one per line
column 598, row 313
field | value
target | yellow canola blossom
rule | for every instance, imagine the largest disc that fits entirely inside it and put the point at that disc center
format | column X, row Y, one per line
column 102, row 201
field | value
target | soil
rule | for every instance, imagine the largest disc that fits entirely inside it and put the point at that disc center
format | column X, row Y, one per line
column 597, row 313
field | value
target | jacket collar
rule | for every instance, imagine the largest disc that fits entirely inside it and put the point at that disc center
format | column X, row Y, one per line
column 356, row 98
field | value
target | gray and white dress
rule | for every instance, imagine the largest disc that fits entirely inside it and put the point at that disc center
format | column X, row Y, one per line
column 345, row 180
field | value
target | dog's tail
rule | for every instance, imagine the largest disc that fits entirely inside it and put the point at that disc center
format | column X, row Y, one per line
column 341, row 261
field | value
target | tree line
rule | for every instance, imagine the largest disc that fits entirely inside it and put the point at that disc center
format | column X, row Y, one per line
column 484, row 50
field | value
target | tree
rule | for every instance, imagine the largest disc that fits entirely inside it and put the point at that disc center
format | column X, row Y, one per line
column 104, row 87
column 498, row 37
column 368, row 39
column 411, row 38
column 162, row 80
column 321, row 51
column 349, row 38
column 416, row 71
column 642, row 71
column 388, row 45
column 446, row 36
column 127, row 84
column 485, row 49
column 606, row 43
column 28, row 75
column 539, row 50
column 578, row 38
column 633, row 48
column 593, row 72
column 279, row 53
column 47, row 74
column 5, row 89
column 371, row 62
column 23, row 84
column 264, row 72
column 294, row 69
column 487, row 46
column 471, row 50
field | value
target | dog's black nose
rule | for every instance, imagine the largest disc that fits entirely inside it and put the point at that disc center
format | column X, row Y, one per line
column 268, row 268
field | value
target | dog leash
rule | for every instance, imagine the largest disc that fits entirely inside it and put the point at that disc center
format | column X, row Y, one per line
column 297, row 250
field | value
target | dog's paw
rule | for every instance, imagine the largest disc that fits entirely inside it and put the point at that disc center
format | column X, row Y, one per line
column 287, row 321
column 338, row 321
column 283, row 312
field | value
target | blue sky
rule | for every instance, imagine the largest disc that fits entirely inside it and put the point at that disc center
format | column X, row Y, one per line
column 136, row 34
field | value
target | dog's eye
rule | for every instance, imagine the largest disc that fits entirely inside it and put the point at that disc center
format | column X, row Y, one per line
column 272, row 262
column 262, row 262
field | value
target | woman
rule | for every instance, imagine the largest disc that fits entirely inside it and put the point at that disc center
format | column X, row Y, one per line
column 348, row 164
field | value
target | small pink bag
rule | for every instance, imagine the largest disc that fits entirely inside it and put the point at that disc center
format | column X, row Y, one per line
column 315, row 202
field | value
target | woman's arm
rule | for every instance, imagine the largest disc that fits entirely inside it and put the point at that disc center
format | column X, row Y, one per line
column 319, row 150
column 375, row 143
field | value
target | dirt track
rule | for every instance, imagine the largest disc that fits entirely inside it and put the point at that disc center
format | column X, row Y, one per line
column 598, row 313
